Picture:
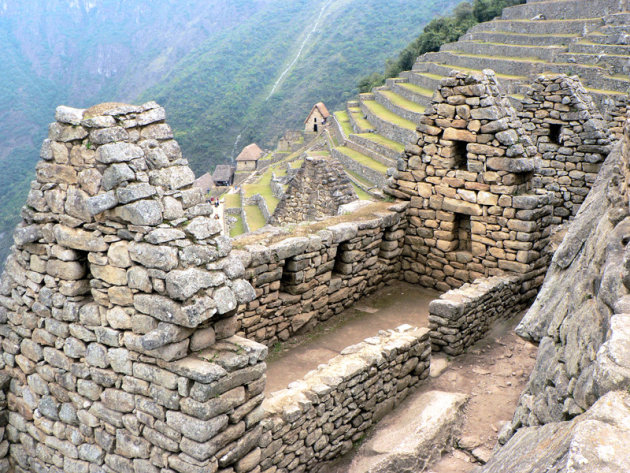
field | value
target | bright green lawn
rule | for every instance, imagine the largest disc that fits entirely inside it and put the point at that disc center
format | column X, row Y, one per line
column 255, row 219
column 361, row 194
column 344, row 121
column 389, row 116
column 363, row 159
column 232, row 200
column 381, row 140
column 402, row 102
column 360, row 120
column 238, row 228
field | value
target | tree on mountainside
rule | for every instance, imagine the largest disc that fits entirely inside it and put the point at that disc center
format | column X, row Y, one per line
column 439, row 31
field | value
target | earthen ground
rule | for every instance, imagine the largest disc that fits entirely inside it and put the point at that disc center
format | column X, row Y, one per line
column 394, row 305
column 493, row 372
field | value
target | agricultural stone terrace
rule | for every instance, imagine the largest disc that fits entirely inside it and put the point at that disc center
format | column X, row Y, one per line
column 572, row 37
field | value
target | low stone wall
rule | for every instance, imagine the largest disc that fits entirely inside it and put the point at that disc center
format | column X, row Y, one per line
column 387, row 129
column 390, row 105
column 301, row 281
column 370, row 174
column 460, row 317
column 320, row 417
column 259, row 201
column 374, row 150
column 241, row 213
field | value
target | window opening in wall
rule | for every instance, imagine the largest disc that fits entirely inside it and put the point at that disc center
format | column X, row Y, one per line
column 460, row 154
column 315, row 127
column 339, row 267
column 554, row 132
column 463, row 231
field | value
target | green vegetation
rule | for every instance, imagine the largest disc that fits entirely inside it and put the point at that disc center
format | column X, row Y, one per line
column 344, row 121
column 359, row 119
column 232, row 201
column 263, row 187
column 361, row 194
column 439, row 31
column 381, row 140
column 417, row 89
column 255, row 219
column 238, row 228
column 389, row 116
column 363, row 159
column 402, row 102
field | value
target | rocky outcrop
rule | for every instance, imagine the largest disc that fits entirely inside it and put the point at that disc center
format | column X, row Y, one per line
column 584, row 287
column 594, row 442
column 316, row 191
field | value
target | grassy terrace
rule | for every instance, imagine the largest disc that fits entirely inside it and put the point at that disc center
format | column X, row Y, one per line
column 416, row 89
column 363, row 159
column 514, row 45
column 381, row 140
column 555, row 35
column 232, row 201
column 360, row 179
column 468, row 69
column 237, row 228
column 255, row 219
column 402, row 102
column 361, row 194
column 389, row 116
column 344, row 121
column 359, row 119
column 263, row 187
column 505, row 58
column 430, row 75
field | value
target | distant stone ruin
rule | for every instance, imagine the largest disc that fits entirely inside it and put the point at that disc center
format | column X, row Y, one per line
column 318, row 189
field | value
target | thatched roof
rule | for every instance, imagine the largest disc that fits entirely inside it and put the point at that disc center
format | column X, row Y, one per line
column 250, row 153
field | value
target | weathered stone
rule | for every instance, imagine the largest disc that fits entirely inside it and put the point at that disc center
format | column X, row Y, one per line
column 182, row 284
column 118, row 153
column 142, row 212
column 152, row 256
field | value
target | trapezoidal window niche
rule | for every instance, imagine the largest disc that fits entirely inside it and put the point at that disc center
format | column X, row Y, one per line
column 463, row 232
column 460, row 155
column 555, row 130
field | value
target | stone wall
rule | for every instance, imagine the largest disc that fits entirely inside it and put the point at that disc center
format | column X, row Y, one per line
column 5, row 381
column 468, row 176
column 572, row 139
column 318, row 189
column 587, row 283
column 301, row 281
column 259, row 201
column 119, row 300
column 461, row 317
column 319, row 418
column 385, row 128
column 369, row 174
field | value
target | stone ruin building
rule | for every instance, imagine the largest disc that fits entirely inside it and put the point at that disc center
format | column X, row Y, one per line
column 134, row 337
column 317, row 190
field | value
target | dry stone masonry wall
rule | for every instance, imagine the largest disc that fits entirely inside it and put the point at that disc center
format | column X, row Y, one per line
column 473, row 210
column 301, row 281
column 319, row 418
column 318, row 189
column 572, row 140
column 120, row 302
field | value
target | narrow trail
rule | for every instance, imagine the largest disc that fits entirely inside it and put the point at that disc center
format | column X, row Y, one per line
column 299, row 53
column 234, row 148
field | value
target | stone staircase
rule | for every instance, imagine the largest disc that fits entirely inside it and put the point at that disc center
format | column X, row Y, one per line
column 588, row 38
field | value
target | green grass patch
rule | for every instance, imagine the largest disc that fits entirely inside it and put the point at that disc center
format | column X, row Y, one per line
column 263, row 187
column 255, row 219
column 360, row 120
column 232, row 201
column 381, row 140
column 389, row 116
column 298, row 163
column 360, row 179
column 468, row 69
column 430, row 75
column 402, row 102
column 238, row 228
column 344, row 122
column 416, row 89
column 363, row 159
column 361, row 194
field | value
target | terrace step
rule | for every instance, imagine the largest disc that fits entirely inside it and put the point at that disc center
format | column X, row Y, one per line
column 545, row 53
column 622, row 18
column 425, row 80
column 562, row 9
column 387, row 123
column 383, row 154
column 522, row 38
column 399, row 105
column 357, row 119
column 413, row 92
column 585, row 47
column 549, row 27
column 362, row 165
column 613, row 64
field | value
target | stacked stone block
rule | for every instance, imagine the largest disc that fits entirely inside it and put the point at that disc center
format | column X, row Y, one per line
column 119, row 310
column 572, row 139
column 5, row 380
column 301, row 281
column 320, row 417
column 461, row 317
column 468, row 177
column 318, row 189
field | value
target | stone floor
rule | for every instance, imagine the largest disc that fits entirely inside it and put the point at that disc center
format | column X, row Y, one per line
column 396, row 304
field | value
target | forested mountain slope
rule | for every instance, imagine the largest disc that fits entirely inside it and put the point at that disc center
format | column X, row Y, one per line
column 211, row 63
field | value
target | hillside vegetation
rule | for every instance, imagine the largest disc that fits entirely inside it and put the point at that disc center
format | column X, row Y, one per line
column 212, row 63
column 439, row 31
